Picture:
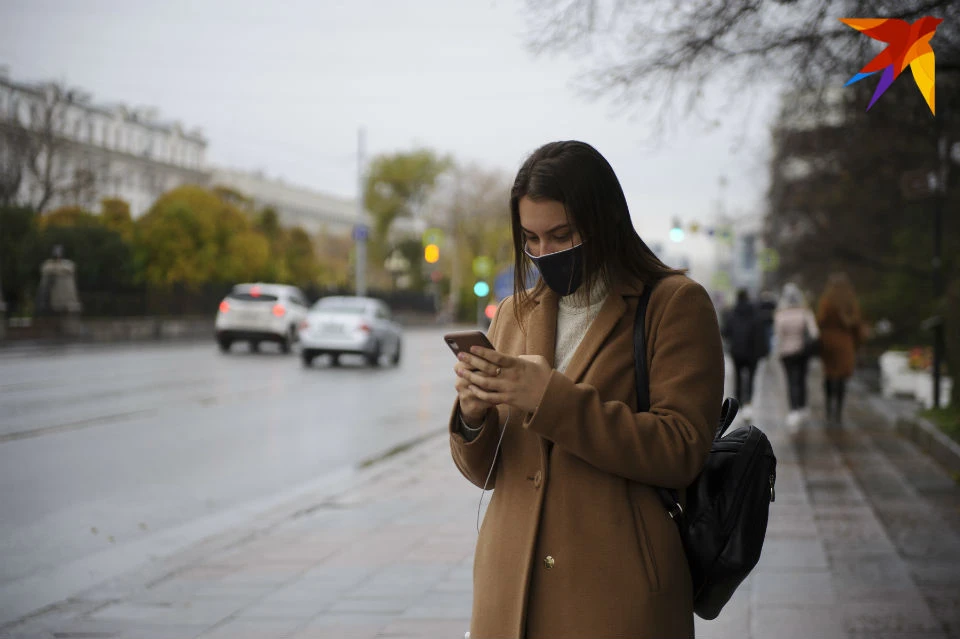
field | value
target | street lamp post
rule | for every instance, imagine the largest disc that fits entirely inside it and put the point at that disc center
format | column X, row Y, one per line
column 940, row 197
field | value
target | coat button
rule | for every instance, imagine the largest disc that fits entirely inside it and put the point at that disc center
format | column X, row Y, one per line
column 548, row 562
column 537, row 479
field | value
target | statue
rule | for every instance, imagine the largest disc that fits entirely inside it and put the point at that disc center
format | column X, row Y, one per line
column 57, row 295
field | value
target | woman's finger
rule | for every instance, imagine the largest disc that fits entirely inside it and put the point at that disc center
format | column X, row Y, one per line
column 473, row 362
column 486, row 396
column 494, row 357
column 487, row 382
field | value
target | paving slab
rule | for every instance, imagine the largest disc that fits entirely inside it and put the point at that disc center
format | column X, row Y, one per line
column 855, row 549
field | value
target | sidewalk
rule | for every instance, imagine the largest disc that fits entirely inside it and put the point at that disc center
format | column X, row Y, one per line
column 390, row 555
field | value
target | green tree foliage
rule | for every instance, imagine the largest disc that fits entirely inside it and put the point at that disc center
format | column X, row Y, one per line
column 115, row 215
column 187, row 236
column 246, row 257
column 69, row 216
column 300, row 258
column 334, row 260
column 268, row 223
column 476, row 202
column 397, row 185
column 102, row 259
column 18, row 234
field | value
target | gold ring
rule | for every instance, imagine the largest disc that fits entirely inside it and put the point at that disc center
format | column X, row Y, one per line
column 498, row 371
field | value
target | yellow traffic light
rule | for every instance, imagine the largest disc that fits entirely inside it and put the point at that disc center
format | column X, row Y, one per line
column 431, row 253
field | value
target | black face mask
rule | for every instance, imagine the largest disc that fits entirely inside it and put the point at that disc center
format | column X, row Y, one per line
column 561, row 271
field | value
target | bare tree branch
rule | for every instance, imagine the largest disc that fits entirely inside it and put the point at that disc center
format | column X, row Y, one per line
column 668, row 51
column 39, row 149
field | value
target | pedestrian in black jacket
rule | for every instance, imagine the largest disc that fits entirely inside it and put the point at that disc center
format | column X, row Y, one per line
column 745, row 334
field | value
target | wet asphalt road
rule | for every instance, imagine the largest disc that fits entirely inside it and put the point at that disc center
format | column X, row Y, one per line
column 104, row 446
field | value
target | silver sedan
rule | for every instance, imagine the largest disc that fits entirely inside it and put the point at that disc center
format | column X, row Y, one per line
column 350, row 325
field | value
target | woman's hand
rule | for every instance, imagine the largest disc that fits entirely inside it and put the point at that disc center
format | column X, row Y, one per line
column 496, row 378
column 472, row 409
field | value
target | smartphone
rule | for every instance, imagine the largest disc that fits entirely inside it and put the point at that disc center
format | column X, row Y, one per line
column 463, row 340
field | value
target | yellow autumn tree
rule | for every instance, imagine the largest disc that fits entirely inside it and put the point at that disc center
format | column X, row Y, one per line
column 191, row 236
column 115, row 215
column 68, row 216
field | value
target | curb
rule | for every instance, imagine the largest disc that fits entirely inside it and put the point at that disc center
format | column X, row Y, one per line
column 325, row 492
column 921, row 432
column 932, row 441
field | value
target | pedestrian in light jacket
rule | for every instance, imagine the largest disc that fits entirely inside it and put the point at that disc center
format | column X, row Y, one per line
column 795, row 328
column 575, row 542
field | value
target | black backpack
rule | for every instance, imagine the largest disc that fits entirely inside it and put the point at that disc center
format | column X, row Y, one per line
column 725, row 519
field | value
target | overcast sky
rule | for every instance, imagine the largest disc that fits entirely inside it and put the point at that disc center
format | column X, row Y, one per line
column 283, row 87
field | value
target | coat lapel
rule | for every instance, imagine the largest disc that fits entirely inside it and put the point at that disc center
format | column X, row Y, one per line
column 541, row 331
column 610, row 314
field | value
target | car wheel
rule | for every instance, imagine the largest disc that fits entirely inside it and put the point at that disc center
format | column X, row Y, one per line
column 285, row 344
column 224, row 344
column 373, row 359
column 396, row 354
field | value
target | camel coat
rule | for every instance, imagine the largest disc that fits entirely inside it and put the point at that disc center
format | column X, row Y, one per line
column 839, row 340
column 575, row 542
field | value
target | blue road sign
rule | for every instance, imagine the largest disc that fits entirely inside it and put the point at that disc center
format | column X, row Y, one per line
column 360, row 232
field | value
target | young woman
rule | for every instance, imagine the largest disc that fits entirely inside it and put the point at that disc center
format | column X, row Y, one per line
column 575, row 542
column 839, row 320
column 794, row 325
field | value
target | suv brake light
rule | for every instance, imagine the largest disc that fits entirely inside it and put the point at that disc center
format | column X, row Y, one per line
column 279, row 310
column 224, row 306
column 365, row 327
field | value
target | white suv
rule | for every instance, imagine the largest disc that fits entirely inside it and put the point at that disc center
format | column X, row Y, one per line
column 257, row 313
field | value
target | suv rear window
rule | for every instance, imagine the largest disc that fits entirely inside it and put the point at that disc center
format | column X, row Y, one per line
column 250, row 297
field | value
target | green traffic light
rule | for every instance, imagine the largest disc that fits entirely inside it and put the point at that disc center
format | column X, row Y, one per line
column 481, row 289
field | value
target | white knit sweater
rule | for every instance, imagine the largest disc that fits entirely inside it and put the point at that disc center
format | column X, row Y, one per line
column 574, row 317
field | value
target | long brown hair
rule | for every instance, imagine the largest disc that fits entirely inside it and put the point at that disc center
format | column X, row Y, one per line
column 840, row 295
column 577, row 176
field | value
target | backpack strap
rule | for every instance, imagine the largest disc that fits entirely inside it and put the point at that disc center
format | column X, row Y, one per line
column 670, row 498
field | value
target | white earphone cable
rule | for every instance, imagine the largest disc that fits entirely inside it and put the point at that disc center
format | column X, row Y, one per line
column 493, row 465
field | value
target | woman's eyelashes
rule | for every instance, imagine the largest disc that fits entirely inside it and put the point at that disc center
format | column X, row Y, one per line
column 556, row 238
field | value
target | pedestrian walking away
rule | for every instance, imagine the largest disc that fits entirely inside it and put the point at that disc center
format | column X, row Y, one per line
column 745, row 334
column 839, row 319
column 795, row 328
column 575, row 541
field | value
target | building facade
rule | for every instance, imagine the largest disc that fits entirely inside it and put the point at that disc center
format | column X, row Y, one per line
column 59, row 148
column 313, row 211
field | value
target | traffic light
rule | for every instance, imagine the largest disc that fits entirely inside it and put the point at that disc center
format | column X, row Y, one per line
column 676, row 233
column 481, row 289
column 431, row 253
